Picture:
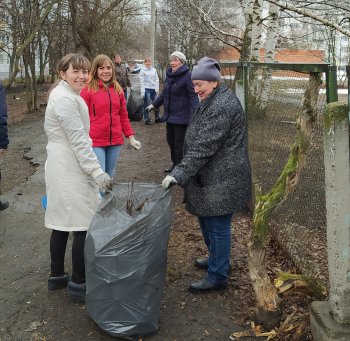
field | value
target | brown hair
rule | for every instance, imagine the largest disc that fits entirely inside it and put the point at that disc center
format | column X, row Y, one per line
column 77, row 60
column 93, row 79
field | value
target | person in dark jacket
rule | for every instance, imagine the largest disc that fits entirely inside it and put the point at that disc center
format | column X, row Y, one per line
column 121, row 74
column 4, row 140
column 179, row 101
column 215, row 170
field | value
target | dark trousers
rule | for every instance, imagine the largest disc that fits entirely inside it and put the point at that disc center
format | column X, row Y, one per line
column 175, row 136
column 58, row 244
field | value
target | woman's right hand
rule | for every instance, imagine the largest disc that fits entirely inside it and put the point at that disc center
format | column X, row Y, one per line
column 104, row 182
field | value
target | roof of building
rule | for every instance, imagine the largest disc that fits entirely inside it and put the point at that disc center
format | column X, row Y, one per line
column 281, row 55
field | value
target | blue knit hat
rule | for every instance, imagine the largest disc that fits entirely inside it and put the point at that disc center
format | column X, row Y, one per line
column 207, row 69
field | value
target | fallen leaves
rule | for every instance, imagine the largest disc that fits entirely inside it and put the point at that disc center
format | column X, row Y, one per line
column 291, row 283
column 281, row 332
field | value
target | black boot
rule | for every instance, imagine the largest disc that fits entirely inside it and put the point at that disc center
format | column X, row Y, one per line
column 204, row 285
column 3, row 205
column 57, row 282
column 77, row 291
column 202, row 263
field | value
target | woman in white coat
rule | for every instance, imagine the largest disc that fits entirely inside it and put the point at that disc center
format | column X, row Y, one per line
column 73, row 174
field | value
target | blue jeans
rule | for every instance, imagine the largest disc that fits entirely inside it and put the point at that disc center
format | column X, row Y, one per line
column 108, row 157
column 150, row 94
column 216, row 233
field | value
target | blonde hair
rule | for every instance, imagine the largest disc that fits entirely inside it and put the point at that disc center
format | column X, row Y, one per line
column 93, row 78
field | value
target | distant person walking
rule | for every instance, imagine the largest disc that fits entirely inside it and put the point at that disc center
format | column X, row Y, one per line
column 4, row 140
column 149, row 82
column 121, row 74
column 109, row 121
column 72, row 171
column 180, row 102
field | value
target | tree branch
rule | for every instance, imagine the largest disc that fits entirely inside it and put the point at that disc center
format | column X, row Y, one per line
column 308, row 14
column 211, row 26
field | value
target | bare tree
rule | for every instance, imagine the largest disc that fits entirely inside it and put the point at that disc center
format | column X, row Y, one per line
column 102, row 26
column 28, row 25
column 316, row 10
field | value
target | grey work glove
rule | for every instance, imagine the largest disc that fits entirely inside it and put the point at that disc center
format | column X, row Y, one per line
column 168, row 181
column 104, row 182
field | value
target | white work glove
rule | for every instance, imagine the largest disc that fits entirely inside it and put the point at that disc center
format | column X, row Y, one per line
column 157, row 92
column 150, row 107
column 134, row 143
column 104, row 182
column 168, row 181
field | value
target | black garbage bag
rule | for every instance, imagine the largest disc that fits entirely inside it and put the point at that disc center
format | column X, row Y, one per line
column 135, row 105
column 125, row 257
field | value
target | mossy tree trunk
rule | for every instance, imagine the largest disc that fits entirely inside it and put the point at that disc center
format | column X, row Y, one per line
column 268, row 310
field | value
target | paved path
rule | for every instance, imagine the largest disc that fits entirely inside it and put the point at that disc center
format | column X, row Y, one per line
column 28, row 311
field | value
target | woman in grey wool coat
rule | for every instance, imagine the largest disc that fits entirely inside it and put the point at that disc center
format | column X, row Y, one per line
column 215, row 171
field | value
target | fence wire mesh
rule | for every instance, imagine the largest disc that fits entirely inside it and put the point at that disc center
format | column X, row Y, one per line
column 272, row 130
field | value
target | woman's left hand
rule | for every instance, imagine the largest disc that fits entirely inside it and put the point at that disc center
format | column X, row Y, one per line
column 134, row 143
column 168, row 181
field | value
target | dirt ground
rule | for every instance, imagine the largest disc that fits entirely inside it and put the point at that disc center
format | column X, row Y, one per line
column 30, row 312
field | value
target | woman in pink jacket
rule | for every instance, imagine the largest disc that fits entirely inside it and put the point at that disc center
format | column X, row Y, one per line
column 109, row 121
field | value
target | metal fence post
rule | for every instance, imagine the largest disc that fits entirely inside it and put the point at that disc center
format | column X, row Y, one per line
column 245, row 67
column 348, row 76
column 331, row 84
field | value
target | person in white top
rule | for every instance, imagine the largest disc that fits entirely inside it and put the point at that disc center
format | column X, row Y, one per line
column 149, row 88
column 73, row 174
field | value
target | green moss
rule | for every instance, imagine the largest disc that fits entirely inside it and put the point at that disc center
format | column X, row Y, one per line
column 318, row 289
column 266, row 203
column 335, row 112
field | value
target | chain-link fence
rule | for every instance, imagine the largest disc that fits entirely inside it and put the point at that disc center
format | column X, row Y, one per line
column 273, row 106
column 274, row 100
